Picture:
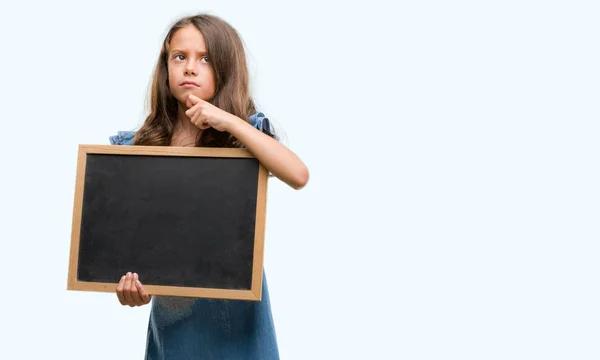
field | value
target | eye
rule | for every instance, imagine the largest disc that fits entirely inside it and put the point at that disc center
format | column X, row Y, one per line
column 179, row 57
column 204, row 59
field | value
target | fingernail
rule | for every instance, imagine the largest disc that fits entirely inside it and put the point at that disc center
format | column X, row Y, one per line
column 128, row 274
column 138, row 282
column 123, row 277
column 135, row 276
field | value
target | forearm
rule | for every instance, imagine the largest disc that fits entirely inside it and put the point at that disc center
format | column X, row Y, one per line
column 274, row 156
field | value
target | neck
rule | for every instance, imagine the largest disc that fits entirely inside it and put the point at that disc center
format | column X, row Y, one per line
column 184, row 124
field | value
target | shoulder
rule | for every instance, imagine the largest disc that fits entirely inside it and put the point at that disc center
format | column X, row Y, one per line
column 258, row 120
column 262, row 123
column 122, row 138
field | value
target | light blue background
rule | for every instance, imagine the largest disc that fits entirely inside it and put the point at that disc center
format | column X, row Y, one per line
column 453, row 205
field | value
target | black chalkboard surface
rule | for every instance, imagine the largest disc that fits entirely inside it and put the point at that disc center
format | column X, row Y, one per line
column 189, row 221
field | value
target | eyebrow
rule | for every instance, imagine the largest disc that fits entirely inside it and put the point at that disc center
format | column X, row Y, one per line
column 183, row 51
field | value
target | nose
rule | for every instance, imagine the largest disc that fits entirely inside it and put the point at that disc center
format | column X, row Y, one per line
column 190, row 68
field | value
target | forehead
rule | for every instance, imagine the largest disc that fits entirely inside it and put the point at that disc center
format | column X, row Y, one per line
column 188, row 38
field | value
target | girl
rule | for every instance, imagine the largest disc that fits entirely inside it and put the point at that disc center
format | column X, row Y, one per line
column 200, row 97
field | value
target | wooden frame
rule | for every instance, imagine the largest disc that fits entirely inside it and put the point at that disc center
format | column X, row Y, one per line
column 254, row 293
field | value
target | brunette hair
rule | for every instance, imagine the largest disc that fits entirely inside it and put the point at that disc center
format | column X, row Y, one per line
column 225, row 51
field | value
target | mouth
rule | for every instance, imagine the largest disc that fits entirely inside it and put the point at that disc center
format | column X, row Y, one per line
column 189, row 84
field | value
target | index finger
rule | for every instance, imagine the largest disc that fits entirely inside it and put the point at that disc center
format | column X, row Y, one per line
column 192, row 100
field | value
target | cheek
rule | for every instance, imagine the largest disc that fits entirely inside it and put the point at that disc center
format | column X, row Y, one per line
column 171, row 85
column 171, row 78
column 173, row 81
column 211, row 82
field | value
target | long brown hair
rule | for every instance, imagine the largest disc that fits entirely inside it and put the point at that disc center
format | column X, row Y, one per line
column 227, row 57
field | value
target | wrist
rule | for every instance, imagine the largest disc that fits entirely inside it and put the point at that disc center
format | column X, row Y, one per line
column 234, row 124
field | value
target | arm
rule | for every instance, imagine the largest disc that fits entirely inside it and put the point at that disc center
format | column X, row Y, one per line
column 277, row 158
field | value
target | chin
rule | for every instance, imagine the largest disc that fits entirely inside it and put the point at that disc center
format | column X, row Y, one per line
column 201, row 94
column 180, row 98
column 182, row 95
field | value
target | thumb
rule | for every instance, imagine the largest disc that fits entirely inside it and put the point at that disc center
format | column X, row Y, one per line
column 143, row 293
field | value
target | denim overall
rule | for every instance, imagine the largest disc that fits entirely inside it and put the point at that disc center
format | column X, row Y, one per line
column 182, row 328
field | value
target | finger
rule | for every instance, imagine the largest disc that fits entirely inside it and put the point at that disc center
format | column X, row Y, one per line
column 196, row 118
column 192, row 100
column 135, row 296
column 127, row 289
column 204, row 124
column 120, row 287
column 143, row 293
column 192, row 111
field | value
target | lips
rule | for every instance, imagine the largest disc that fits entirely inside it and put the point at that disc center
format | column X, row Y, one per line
column 189, row 84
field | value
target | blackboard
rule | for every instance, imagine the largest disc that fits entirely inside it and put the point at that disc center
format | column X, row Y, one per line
column 189, row 221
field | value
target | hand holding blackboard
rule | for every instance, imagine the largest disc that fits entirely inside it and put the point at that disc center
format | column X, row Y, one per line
column 130, row 291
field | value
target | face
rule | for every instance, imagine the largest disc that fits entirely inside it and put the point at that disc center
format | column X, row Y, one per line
column 190, row 71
